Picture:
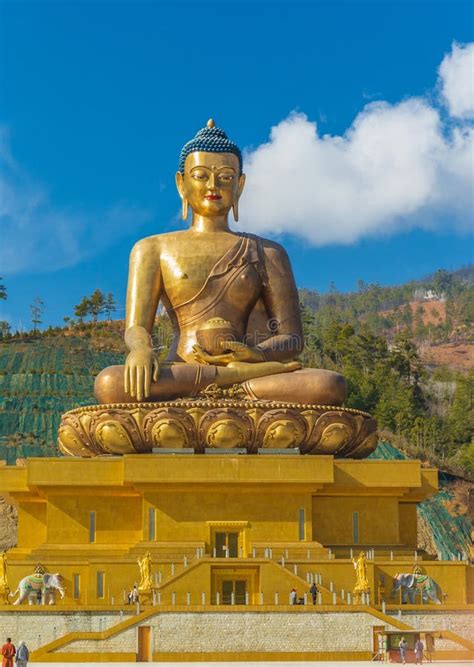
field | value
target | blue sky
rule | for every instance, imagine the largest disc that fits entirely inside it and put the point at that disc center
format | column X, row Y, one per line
column 96, row 100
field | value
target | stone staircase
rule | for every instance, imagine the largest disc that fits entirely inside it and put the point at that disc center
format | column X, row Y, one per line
column 287, row 579
column 327, row 596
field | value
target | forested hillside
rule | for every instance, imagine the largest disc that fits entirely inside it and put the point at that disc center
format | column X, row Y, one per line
column 407, row 353
column 437, row 309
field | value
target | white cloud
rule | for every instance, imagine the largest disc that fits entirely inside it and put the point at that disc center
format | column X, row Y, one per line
column 397, row 167
column 456, row 74
column 37, row 236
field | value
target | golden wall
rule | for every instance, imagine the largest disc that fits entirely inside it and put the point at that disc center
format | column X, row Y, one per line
column 292, row 514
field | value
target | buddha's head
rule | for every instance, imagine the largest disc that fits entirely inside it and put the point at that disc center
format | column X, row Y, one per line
column 210, row 177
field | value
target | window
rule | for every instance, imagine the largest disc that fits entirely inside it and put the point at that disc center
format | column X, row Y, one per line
column 234, row 591
column 227, row 544
column 76, row 586
column 152, row 524
column 227, row 538
column 100, row 584
column 355, row 527
column 301, row 524
column 91, row 527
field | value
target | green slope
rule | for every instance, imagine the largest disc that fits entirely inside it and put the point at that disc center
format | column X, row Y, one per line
column 39, row 380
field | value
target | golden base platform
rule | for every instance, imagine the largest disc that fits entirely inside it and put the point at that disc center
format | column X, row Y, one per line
column 226, row 423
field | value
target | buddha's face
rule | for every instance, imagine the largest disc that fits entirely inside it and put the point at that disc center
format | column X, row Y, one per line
column 211, row 183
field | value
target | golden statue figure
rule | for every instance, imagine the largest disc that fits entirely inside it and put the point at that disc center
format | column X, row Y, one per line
column 362, row 583
column 232, row 378
column 145, row 584
column 4, row 587
column 206, row 272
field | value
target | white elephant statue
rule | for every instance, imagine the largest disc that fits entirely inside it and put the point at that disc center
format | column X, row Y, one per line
column 414, row 586
column 47, row 584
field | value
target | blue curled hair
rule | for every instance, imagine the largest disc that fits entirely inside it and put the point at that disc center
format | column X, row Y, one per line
column 210, row 139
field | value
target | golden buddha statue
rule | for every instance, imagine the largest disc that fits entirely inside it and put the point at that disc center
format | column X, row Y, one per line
column 210, row 276
column 362, row 583
column 146, row 582
column 232, row 379
column 4, row 587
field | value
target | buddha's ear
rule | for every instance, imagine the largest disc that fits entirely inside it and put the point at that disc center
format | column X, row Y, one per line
column 180, row 183
column 241, row 184
column 184, row 201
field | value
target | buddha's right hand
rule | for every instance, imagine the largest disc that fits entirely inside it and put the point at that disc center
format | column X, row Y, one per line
column 141, row 367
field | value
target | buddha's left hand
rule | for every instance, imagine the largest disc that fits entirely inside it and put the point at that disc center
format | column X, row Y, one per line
column 238, row 352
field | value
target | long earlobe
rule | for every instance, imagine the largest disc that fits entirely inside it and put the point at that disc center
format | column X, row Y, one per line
column 241, row 184
column 184, row 201
column 235, row 210
column 184, row 213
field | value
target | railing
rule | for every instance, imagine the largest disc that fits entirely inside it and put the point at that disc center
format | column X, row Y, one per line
column 295, row 553
column 167, row 598
column 274, row 599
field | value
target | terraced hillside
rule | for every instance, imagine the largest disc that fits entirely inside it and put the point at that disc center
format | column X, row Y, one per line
column 42, row 378
column 39, row 380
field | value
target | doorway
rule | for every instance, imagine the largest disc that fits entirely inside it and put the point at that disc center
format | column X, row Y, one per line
column 379, row 639
column 237, row 585
column 226, row 544
column 144, row 644
column 234, row 591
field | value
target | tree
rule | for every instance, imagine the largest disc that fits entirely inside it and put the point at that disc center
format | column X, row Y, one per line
column 94, row 305
column 442, row 283
column 36, row 308
column 405, row 359
column 461, row 414
column 82, row 309
column 3, row 290
column 4, row 328
column 97, row 304
column 110, row 305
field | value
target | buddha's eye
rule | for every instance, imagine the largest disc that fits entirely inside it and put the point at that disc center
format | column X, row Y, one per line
column 199, row 175
column 226, row 177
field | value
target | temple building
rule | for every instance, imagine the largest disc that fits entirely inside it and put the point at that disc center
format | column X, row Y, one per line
column 226, row 532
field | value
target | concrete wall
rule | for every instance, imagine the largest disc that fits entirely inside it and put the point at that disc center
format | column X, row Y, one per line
column 220, row 631
column 118, row 519
column 39, row 628
column 32, row 522
column 184, row 632
column 269, row 519
column 408, row 524
column 378, row 520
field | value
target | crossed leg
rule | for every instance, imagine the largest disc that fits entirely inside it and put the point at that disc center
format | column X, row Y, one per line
column 274, row 381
